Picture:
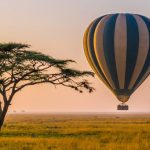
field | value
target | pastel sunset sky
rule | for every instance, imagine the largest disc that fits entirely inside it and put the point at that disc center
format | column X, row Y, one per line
column 56, row 28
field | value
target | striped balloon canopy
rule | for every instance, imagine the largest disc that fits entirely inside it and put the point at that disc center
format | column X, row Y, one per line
column 117, row 47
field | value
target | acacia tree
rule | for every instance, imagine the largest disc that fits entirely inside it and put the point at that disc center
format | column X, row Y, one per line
column 20, row 67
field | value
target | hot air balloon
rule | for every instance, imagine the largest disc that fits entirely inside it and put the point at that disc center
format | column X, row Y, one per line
column 117, row 47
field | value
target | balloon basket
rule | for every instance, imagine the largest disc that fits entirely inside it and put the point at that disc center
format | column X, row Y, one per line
column 122, row 107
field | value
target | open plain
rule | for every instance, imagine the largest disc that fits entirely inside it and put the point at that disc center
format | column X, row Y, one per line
column 76, row 132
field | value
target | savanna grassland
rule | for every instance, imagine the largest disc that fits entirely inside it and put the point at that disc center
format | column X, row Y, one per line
column 75, row 132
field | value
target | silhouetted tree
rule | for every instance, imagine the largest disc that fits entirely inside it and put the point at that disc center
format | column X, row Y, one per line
column 20, row 67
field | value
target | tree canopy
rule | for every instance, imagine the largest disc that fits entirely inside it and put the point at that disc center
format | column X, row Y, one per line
column 21, row 67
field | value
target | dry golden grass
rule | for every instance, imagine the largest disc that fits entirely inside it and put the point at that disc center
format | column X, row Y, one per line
column 76, row 132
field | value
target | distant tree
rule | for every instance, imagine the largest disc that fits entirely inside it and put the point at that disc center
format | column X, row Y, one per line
column 20, row 68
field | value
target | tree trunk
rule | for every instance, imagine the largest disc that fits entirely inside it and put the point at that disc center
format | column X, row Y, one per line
column 3, row 114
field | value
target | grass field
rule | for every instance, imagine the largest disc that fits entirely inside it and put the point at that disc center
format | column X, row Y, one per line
column 76, row 132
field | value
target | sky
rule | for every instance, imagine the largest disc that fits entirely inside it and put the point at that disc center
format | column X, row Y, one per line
column 56, row 28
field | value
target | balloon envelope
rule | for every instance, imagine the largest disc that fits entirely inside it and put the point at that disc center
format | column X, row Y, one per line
column 117, row 47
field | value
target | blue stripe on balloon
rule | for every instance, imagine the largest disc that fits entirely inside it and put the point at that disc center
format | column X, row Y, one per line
column 108, row 44
column 132, row 47
column 147, row 62
column 91, row 48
